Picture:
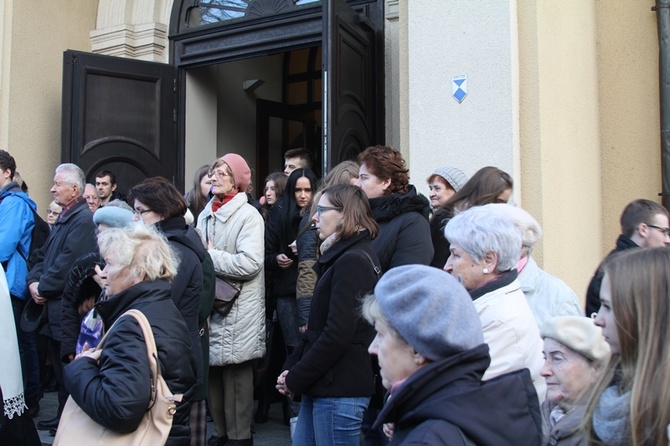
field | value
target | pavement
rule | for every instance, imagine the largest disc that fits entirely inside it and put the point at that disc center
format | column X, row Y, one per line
column 272, row 433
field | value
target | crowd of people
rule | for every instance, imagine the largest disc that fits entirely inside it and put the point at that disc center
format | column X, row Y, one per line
column 376, row 315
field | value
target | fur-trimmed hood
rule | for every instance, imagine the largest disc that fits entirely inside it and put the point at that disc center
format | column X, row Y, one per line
column 388, row 207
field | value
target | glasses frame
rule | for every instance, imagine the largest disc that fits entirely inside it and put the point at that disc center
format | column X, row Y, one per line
column 219, row 174
column 665, row 231
column 321, row 209
column 141, row 212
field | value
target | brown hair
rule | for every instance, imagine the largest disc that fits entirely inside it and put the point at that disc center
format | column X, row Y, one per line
column 356, row 212
column 483, row 188
column 280, row 179
column 441, row 179
column 386, row 163
column 637, row 212
column 160, row 196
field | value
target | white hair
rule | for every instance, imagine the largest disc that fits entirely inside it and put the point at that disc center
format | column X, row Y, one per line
column 140, row 248
column 73, row 175
column 484, row 229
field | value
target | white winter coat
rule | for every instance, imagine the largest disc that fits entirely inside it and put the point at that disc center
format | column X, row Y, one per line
column 512, row 334
column 548, row 296
column 237, row 232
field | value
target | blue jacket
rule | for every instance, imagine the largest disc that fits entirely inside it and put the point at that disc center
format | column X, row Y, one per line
column 16, row 227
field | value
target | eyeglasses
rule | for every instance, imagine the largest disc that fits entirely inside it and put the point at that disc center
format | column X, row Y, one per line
column 665, row 231
column 141, row 211
column 50, row 212
column 321, row 209
column 217, row 173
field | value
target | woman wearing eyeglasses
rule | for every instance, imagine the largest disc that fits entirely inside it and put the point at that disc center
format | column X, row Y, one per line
column 158, row 203
column 233, row 232
column 332, row 369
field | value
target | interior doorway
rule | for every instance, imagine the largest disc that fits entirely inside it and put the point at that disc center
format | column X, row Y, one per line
column 258, row 107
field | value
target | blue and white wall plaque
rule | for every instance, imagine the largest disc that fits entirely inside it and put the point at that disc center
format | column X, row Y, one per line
column 459, row 87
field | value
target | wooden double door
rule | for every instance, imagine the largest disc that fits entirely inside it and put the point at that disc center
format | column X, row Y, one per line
column 128, row 116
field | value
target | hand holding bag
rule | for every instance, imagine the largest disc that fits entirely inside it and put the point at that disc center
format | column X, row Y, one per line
column 225, row 296
column 76, row 427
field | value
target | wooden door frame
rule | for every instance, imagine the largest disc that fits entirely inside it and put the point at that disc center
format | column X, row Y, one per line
column 245, row 39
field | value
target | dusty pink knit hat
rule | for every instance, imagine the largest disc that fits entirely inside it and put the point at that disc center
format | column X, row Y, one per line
column 240, row 169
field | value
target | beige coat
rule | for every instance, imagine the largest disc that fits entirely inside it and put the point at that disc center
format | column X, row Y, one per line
column 237, row 232
column 512, row 334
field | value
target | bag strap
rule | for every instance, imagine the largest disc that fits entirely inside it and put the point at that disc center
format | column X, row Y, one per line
column 152, row 353
column 377, row 269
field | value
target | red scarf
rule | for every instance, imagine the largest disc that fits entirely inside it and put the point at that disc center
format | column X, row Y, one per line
column 217, row 202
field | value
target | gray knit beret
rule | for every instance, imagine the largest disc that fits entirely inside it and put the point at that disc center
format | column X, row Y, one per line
column 430, row 309
column 452, row 175
column 580, row 334
column 112, row 216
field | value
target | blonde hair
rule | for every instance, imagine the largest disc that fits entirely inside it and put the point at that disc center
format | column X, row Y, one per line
column 640, row 284
column 140, row 248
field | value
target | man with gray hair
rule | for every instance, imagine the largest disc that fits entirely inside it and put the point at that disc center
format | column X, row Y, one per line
column 72, row 236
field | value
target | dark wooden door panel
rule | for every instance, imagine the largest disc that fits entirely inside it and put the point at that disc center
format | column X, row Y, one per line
column 118, row 114
column 352, row 81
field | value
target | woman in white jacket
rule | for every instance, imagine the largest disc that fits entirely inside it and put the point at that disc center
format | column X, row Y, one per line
column 485, row 248
column 233, row 231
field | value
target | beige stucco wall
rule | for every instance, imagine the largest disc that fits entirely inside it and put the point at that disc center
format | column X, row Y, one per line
column 560, row 137
column 32, row 45
column 589, row 124
column 629, row 101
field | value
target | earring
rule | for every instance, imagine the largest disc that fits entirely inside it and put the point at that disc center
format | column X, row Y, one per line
column 485, row 270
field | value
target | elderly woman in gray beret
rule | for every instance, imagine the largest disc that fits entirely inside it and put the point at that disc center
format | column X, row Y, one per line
column 485, row 249
column 575, row 353
column 432, row 358
column 548, row 296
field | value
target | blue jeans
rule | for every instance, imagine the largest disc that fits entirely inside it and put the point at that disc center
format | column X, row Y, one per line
column 330, row 421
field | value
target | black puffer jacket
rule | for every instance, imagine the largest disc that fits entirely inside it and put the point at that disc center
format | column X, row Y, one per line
column 445, row 396
column 116, row 392
column 72, row 236
column 404, row 233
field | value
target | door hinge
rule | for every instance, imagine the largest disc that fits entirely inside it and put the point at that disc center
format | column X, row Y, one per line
column 174, row 85
column 174, row 115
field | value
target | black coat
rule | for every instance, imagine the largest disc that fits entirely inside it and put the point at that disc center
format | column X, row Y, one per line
column 333, row 360
column 72, row 236
column 441, row 245
column 116, row 392
column 404, row 233
column 623, row 243
column 445, row 396
column 187, row 286
column 80, row 286
column 278, row 236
